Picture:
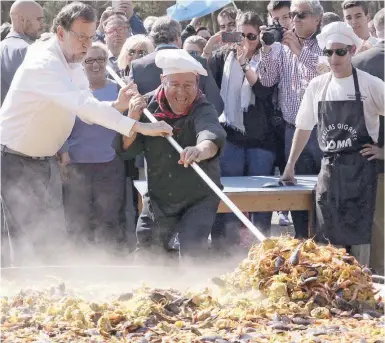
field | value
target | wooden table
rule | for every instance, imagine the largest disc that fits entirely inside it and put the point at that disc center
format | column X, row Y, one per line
column 248, row 193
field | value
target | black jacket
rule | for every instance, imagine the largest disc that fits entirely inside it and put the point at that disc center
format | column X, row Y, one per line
column 146, row 75
column 188, row 32
column 170, row 185
column 372, row 61
column 259, row 131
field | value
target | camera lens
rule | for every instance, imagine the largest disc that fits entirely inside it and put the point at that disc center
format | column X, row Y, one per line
column 268, row 38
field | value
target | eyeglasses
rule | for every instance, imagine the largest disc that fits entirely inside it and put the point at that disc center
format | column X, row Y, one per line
column 139, row 53
column 82, row 38
column 300, row 15
column 250, row 36
column 118, row 30
column 339, row 52
column 194, row 53
column 100, row 60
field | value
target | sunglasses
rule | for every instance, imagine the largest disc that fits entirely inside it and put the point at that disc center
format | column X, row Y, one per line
column 250, row 36
column 140, row 53
column 300, row 15
column 100, row 60
column 339, row 52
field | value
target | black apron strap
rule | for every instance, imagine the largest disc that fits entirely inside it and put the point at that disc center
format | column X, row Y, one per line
column 356, row 85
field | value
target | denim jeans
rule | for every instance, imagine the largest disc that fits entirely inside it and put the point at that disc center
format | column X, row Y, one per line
column 236, row 161
column 309, row 163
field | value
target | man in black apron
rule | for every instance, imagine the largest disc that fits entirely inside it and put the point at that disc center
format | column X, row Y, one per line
column 347, row 119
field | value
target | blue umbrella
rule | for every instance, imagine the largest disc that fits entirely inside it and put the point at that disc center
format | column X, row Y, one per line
column 188, row 9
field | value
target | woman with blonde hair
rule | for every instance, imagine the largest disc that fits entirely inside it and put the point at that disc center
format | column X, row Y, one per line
column 135, row 47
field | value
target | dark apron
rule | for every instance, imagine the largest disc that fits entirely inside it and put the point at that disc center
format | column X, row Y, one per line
column 346, row 188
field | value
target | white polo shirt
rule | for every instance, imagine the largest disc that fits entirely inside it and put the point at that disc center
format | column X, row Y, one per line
column 372, row 95
column 45, row 96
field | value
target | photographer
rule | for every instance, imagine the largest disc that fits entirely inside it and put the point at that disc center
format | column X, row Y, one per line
column 227, row 23
column 279, row 11
column 249, row 148
column 292, row 67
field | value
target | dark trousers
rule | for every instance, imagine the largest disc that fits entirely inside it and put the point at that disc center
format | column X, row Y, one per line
column 24, row 193
column 236, row 161
column 309, row 163
column 193, row 225
column 129, row 213
column 93, row 194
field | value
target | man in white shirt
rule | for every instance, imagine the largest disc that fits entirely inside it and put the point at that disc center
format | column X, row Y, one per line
column 48, row 91
column 345, row 104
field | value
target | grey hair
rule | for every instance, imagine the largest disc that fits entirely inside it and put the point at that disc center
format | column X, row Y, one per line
column 315, row 6
column 101, row 46
column 116, row 17
column 69, row 13
column 148, row 22
column 165, row 30
column 379, row 23
column 197, row 40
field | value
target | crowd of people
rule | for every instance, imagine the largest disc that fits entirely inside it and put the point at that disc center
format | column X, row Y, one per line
column 309, row 102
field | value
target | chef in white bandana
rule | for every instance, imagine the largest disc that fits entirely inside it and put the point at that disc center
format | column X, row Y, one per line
column 48, row 91
column 177, row 201
column 345, row 104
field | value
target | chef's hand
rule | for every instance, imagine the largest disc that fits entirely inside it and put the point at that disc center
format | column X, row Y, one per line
column 292, row 41
column 125, row 95
column 136, row 106
column 189, row 155
column 288, row 174
column 64, row 159
column 160, row 128
column 373, row 152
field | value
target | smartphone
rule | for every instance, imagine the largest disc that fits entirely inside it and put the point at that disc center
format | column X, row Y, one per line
column 231, row 37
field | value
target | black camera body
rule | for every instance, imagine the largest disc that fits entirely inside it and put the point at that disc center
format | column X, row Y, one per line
column 273, row 33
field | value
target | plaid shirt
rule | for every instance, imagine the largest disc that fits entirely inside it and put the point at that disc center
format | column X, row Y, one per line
column 292, row 73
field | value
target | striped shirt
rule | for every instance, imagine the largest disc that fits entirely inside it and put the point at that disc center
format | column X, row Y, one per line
column 292, row 73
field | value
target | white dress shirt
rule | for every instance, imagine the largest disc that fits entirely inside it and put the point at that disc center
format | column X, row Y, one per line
column 46, row 94
column 372, row 96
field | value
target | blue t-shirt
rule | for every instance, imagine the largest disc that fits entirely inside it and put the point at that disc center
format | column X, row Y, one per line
column 92, row 143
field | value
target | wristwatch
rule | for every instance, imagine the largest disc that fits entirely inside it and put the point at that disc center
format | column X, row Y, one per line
column 246, row 68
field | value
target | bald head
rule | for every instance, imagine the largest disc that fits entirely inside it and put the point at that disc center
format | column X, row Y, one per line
column 27, row 18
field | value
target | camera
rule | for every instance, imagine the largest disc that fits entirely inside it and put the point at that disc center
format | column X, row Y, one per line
column 273, row 33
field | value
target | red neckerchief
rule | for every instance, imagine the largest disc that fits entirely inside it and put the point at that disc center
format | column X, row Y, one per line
column 165, row 107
